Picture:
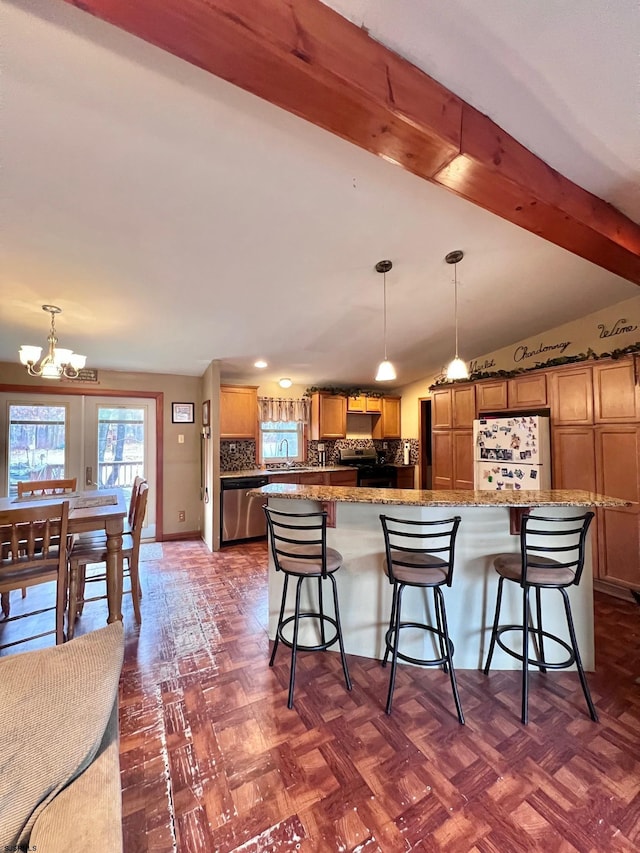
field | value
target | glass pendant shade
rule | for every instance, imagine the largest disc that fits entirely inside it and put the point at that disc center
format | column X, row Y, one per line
column 29, row 354
column 457, row 369
column 386, row 371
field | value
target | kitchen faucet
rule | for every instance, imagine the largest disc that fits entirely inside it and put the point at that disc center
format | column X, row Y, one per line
column 284, row 441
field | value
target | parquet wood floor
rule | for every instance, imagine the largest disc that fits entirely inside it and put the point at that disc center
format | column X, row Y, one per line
column 212, row 760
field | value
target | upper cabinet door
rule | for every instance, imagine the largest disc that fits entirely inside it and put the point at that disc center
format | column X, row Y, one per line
column 464, row 406
column 391, row 417
column 616, row 396
column 328, row 416
column 526, row 391
column 238, row 411
column 571, row 396
column 441, row 409
column 491, row 396
column 356, row 404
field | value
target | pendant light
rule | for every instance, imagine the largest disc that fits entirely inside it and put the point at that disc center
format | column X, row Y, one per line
column 386, row 371
column 456, row 368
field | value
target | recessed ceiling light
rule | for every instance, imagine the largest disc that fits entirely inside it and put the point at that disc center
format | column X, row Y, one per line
column 285, row 383
column 260, row 363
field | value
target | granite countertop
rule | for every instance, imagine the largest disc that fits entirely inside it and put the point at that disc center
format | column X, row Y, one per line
column 441, row 497
column 262, row 472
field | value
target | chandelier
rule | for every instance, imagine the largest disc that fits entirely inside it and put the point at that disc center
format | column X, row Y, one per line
column 58, row 362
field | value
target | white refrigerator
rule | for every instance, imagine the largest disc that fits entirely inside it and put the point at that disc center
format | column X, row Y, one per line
column 512, row 452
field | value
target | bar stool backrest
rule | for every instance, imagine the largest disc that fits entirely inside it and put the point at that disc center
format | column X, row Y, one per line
column 562, row 540
column 406, row 537
column 297, row 535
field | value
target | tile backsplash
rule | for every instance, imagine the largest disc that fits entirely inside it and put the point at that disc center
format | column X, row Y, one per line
column 243, row 456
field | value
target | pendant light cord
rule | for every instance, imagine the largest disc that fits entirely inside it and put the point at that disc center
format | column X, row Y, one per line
column 455, row 291
column 384, row 312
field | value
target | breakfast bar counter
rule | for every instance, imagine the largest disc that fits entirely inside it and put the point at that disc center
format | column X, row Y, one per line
column 485, row 530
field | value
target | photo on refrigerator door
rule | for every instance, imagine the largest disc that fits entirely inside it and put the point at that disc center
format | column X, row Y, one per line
column 518, row 440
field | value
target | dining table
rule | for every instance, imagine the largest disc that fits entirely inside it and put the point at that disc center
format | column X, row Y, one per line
column 91, row 511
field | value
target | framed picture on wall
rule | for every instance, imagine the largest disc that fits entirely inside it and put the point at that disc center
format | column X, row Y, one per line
column 206, row 413
column 182, row 413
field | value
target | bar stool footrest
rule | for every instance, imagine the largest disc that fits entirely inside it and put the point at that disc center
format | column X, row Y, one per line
column 542, row 663
column 321, row 647
column 442, row 661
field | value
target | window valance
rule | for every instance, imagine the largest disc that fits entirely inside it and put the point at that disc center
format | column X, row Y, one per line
column 283, row 409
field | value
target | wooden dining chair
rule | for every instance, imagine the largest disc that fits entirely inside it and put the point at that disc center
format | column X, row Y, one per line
column 38, row 488
column 86, row 553
column 32, row 554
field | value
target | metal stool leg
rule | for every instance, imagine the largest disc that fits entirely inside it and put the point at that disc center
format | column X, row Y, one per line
column 525, row 655
column 278, row 627
column 392, row 619
column 321, row 609
column 294, row 645
column 576, row 653
column 442, row 620
column 396, row 642
column 444, row 655
column 494, row 630
column 539, row 634
column 339, row 629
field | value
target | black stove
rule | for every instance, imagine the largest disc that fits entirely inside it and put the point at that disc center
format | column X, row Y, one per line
column 373, row 471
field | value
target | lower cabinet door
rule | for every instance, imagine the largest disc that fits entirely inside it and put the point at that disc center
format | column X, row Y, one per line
column 462, row 448
column 442, row 459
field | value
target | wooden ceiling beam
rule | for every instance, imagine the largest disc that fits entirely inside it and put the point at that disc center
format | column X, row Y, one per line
column 307, row 59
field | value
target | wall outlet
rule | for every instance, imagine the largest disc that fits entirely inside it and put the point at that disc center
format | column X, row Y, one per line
column 385, row 445
column 320, row 447
column 232, row 446
column 182, row 516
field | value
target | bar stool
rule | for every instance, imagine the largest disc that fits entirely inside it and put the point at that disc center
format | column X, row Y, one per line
column 420, row 554
column 565, row 539
column 299, row 547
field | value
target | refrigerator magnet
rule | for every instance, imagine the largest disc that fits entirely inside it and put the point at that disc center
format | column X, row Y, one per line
column 534, row 474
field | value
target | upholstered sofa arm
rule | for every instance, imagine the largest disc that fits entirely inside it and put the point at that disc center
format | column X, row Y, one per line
column 87, row 814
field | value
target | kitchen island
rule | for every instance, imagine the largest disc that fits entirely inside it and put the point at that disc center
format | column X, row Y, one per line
column 485, row 530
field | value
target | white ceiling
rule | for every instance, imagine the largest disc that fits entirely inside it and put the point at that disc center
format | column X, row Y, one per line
column 176, row 219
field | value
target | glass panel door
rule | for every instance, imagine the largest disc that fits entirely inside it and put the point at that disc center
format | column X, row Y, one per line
column 119, row 446
column 37, row 446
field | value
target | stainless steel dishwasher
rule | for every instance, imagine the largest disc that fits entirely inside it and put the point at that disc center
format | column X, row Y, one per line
column 242, row 517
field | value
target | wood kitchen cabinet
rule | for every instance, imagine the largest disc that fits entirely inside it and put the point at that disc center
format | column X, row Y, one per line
column 388, row 425
column 618, row 475
column 463, row 400
column 616, row 395
column 573, row 458
column 364, row 405
column 491, row 396
column 462, row 451
column 406, row 477
column 343, row 478
column 571, row 396
column 526, row 391
column 284, row 477
column 238, row 412
column 441, row 408
column 442, row 458
column 328, row 416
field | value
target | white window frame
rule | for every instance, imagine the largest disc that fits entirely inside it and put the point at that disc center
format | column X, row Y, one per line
column 267, row 427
